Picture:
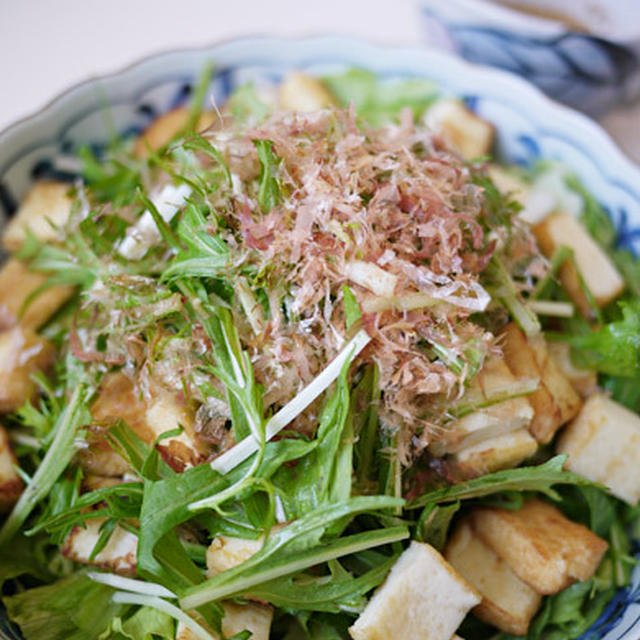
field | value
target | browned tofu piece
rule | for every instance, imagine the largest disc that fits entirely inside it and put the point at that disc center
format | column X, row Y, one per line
column 166, row 127
column 507, row 602
column 100, row 460
column 91, row 482
column 22, row 353
column 17, row 283
column 603, row 444
column 149, row 417
column 555, row 401
column 302, row 92
column 471, row 135
column 486, row 422
column 504, row 451
column 509, row 184
column 226, row 552
column 11, row 484
column 252, row 617
column 591, row 262
column 542, row 547
column 584, row 381
column 423, row 596
column 119, row 554
column 46, row 207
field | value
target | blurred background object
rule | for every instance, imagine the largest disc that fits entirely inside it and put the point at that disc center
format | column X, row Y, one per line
column 585, row 53
column 46, row 47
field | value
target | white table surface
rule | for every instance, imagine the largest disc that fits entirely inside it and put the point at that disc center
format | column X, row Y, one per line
column 48, row 45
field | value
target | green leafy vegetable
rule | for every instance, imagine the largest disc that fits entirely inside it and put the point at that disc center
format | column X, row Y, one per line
column 334, row 592
column 498, row 210
column 269, row 192
column 122, row 501
column 246, row 106
column 502, row 287
column 380, row 101
column 205, row 255
column 54, row 463
column 351, row 306
column 539, row 478
column 113, row 177
column 301, row 539
column 614, row 348
column 324, row 475
column 143, row 459
column 74, row 608
column 145, row 624
column 433, row 523
column 199, row 96
column 31, row 556
column 166, row 502
column 162, row 225
column 364, row 403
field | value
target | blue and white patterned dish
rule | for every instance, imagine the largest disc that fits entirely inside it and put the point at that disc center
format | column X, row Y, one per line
column 529, row 126
column 591, row 69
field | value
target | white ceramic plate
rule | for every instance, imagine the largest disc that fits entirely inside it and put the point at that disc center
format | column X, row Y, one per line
column 529, row 126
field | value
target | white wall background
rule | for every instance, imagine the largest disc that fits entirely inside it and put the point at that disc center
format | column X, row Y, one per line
column 48, row 45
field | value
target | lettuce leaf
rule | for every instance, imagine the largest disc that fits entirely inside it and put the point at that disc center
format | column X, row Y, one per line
column 380, row 101
column 145, row 624
column 74, row 608
column 25, row 556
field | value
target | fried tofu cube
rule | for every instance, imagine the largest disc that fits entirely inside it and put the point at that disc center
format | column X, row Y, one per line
column 119, row 554
column 507, row 602
column 487, row 422
column 555, row 401
column 603, row 444
column 22, row 353
column 422, row 597
column 11, row 484
column 471, row 135
column 504, row 451
column 584, row 381
column 45, row 207
column 149, row 417
column 252, row 617
column 91, row 482
column 226, row 552
column 542, row 547
column 509, row 184
column 100, row 460
column 301, row 92
column 166, row 410
column 544, row 196
column 590, row 262
column 17, row 283
column 167, row 127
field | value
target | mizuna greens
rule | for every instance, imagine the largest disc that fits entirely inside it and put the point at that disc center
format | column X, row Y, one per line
column 299, row 303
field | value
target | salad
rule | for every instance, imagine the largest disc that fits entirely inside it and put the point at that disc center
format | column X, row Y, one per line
column 311, row 364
